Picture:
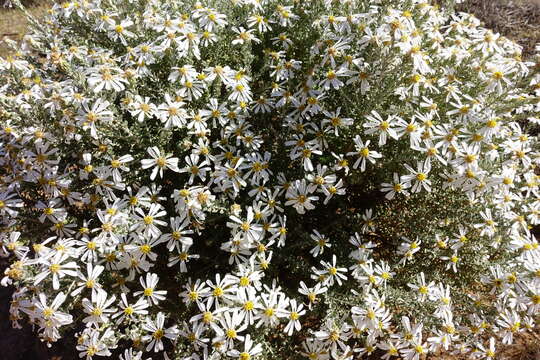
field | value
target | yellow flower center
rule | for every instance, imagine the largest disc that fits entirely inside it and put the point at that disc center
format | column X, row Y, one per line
column 92, row 350
column 48, row 312
column 207, row 317
column 364, row 152
column 231, row 333
column 161, row 162
column 248, row 305
column 148, row 292
column 218, row 292
column 97, row 311
column 158, row 334
column 470, row 158
column 107, row 227
column 244, row 281
column 244, row 226
column 244, row 356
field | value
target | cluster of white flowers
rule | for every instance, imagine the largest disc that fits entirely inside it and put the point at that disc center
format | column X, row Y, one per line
column 262, row 160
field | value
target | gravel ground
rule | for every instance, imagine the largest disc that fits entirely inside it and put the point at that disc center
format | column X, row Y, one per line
column 518, row 20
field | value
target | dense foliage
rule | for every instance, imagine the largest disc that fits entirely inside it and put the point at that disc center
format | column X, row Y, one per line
column 273, row 179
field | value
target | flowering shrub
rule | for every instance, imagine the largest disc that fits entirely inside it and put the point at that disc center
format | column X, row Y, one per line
column 270, row 179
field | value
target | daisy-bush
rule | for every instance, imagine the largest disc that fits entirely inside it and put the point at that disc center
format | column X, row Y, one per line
column 245, row 179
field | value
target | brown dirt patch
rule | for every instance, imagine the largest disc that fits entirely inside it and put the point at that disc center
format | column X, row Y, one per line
column 518, row 20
